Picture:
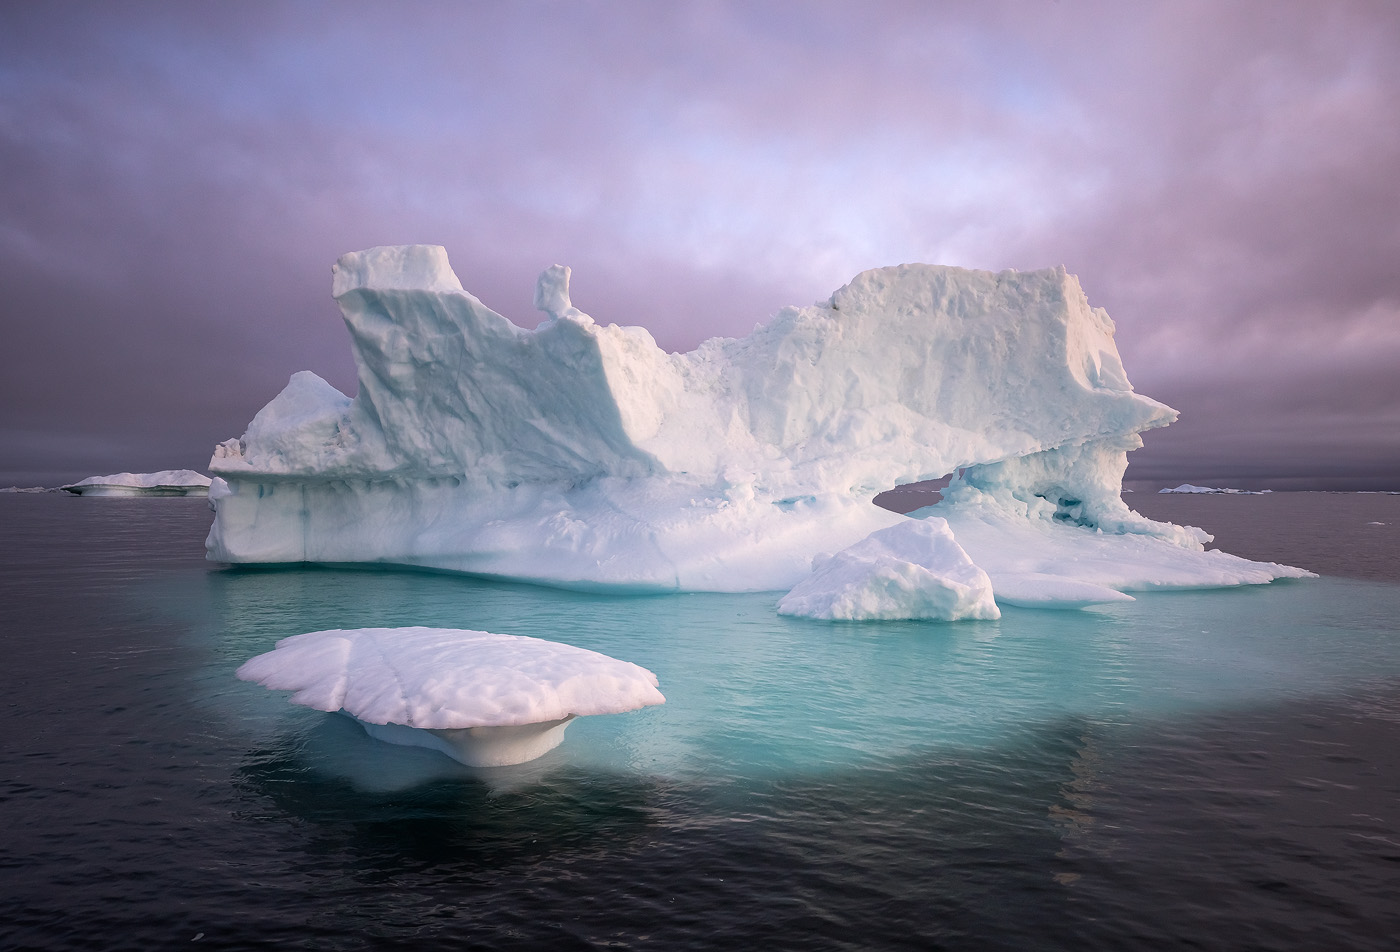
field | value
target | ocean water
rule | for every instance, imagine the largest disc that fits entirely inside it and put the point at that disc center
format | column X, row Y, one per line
column 1203, row 770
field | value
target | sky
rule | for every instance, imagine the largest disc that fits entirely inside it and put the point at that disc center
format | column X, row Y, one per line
column 176, row 180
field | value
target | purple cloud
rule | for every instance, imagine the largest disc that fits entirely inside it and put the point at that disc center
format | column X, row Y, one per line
column 179, row 180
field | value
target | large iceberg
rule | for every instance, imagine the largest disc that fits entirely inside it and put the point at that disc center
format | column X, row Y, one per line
column 583, row 455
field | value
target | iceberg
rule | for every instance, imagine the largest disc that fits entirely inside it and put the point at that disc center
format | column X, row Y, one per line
column 484, row 699
column 170, row 482
column 1189, row 488
column 582, row 455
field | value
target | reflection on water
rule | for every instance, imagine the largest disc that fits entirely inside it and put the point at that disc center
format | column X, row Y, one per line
column 1074, row 814
column 456, row 814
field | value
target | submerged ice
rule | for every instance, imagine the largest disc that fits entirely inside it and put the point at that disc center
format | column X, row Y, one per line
column 583, row 455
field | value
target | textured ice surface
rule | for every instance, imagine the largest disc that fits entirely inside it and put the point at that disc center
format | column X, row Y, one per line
column 583, row 455
column 912, row 570
column 1038, row 562
column 170, row 482
column 486, row 699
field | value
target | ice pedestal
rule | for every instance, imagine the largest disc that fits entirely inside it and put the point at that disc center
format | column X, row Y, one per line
column 478, row 746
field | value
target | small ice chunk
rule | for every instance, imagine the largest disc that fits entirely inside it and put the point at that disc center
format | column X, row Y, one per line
column 552, row 294
column 912, row 570
column 487, row 700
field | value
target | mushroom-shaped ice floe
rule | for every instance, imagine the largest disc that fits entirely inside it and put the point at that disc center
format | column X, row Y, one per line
column 483, row 699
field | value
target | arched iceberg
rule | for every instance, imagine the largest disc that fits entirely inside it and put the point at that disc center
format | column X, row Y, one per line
column 583, row 455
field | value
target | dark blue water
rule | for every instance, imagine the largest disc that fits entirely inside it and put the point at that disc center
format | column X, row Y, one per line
column 1216, row 770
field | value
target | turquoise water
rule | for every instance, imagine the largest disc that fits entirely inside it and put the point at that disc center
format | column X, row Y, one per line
column 753, row 694
column 1191, row 770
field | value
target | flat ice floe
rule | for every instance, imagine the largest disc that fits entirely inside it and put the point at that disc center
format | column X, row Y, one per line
column 1039, row 564
column 485, row 699
column 170, row 482
column 1189, row 488
column 583, row 455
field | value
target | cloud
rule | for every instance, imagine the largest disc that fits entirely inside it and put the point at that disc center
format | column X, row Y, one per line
column 179, row 180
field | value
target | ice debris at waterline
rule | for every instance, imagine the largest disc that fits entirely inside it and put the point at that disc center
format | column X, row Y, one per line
column 911, row 570
column 582, row 455
column 169, row 482
column 486, row 700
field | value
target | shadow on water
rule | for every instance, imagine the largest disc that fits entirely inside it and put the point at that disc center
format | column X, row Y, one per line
column 1216, row 830
column 926, row 849
column 451, row 814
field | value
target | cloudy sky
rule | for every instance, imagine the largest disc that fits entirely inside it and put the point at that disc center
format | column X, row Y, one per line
column 176, row 180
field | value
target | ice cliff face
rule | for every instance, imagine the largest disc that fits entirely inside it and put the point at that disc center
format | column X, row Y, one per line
column 906, row 373
column 582, row 454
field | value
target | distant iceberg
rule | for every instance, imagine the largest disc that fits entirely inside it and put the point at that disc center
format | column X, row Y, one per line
column 170, row 482
column 582, row 455
column 1188, row 488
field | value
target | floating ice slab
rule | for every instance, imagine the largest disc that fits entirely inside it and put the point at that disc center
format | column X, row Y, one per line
column 484, row 699
column 914, row 570
column 170, row 482
column 1189, row 488
column 582, row 455
column 1053, row 563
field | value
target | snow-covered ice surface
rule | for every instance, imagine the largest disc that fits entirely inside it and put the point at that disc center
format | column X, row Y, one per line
column 912, row 570
column 485, row 699
column 582, row 455
column 170, row 482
